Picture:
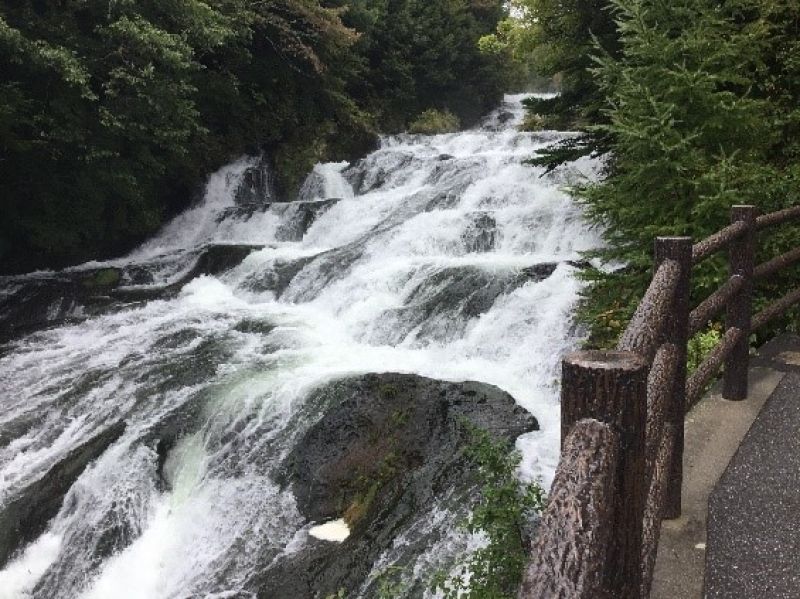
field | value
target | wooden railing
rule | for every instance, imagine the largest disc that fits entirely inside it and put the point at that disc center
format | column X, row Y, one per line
column 622, row 417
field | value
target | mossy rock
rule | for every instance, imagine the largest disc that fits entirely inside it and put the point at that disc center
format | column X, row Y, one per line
column 106, row 277
column 381, row 452
column 386, row 429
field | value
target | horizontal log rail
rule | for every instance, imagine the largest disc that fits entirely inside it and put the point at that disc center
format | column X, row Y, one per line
column 714, row 243
column 711, row 365
column 714, row 304
column 776, row 309
column 571, row 554
column 772, row 266
column 648, row 321
column 778, row 218
column 622, row 417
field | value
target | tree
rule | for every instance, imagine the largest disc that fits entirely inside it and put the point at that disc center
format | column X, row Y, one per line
column 558, row 38
column 554, row 40
column 692, row 135
column 113, row 112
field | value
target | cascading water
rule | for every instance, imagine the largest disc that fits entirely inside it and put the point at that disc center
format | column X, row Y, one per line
column 416, row 259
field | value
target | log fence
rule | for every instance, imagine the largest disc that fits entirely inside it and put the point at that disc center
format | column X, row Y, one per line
column 622, row 417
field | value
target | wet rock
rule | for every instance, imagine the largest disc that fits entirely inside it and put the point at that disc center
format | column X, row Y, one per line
column 299, row 216
column 190, row 369
column 254, row 326
column 213, row 260
column 444, row 200
column 386, row 449
column 257, row 186
column 20, row 426
column 441, row 306
column 322, row 269
column 481, row 235
column 241, row 212
column 101, row 518
column 29, row 303
column 413, row 421
column 25, row 513
column 296, row 217
column 33, row 302
column 375, row 171
column 183, row 420
column 217, row 259
column 138, row 274
column 312, row 188
column 454, row 175
column 278, row 275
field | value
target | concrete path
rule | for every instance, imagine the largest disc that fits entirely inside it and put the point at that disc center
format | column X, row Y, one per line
column 754, row 511
column 714, row 431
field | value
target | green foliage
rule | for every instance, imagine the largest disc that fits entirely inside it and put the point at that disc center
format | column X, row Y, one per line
column 555, row 39
column 111, row 113
column 693, row 133
column 700, row 345
column 434, row 121
column 390, row 583
column 416, row 54
column 552, row 41
column 495, row 571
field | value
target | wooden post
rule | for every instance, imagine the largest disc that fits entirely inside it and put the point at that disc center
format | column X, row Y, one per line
column 678, row 249
column 611, row 387
column 570, row 555
column 740, row 308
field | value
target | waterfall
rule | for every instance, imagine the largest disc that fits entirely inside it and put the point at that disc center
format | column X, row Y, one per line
column 415, row 259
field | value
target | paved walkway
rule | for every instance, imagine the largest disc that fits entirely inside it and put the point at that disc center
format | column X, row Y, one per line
column 754, row 511
column 743, row 460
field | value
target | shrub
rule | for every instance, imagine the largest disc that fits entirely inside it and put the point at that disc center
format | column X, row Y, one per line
column 505, row 506
column 433, row 122
column 700, row 345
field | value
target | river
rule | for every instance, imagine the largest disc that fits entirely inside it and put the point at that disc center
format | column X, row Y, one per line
column 376, row 283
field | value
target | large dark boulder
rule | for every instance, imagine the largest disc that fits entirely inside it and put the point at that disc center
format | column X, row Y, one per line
column 25, row 513
column 387, row 447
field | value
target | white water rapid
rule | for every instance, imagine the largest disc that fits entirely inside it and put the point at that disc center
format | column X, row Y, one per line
column 413, row 219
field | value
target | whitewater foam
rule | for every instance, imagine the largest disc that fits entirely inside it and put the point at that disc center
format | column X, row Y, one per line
column 375, row 290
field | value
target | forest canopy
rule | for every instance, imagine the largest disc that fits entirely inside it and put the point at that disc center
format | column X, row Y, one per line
column 113, row 112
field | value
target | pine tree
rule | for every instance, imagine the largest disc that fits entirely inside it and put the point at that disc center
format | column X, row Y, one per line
column 692, row 136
